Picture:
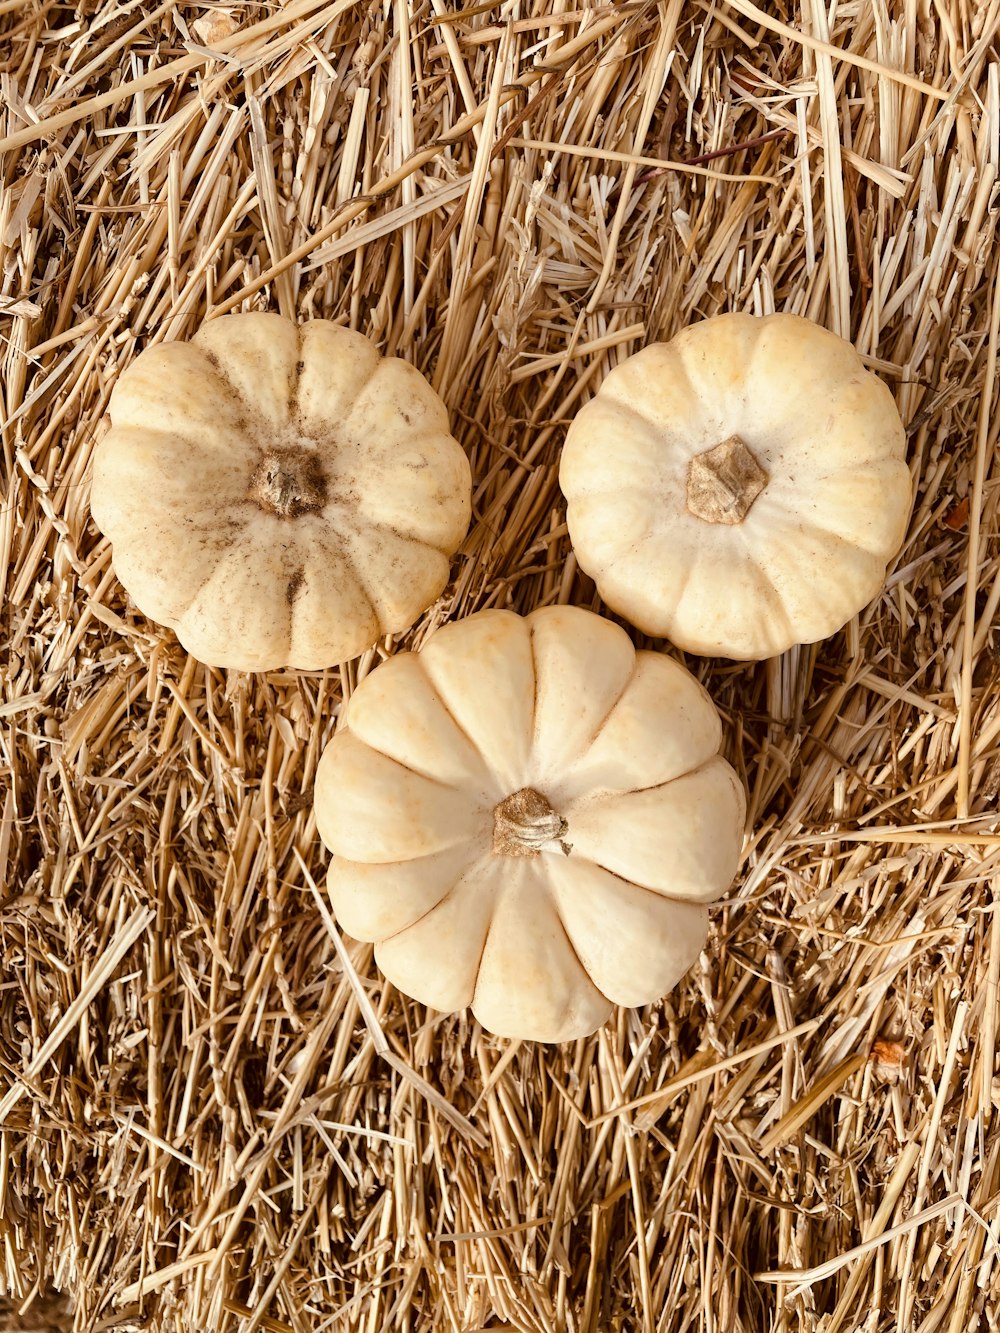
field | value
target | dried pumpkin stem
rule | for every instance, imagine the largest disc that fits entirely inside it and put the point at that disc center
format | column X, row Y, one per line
column 289, row 481
column 524, row 822
column 724, row 482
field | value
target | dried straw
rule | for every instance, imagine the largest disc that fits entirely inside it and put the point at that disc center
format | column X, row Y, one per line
column 216, row 1114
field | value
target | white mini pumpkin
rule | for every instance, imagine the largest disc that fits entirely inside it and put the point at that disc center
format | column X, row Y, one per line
column 739, row 489
column 279, row 495
column 529, row 817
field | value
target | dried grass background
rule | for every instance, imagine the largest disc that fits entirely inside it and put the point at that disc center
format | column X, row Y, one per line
column 215, row 1113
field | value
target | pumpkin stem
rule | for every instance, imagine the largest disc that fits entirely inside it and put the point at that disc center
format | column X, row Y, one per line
column 724, row 482
column 524, row 822
column 289, row 482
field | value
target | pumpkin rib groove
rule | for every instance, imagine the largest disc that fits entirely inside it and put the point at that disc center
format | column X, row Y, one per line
column 351, row 407
column 554, row 900
column 352, row 565
column 217, row 569
column 192, row 368
column 507, row 889
column 534, row 683
column 400, row 858
column 592, row 740
column 610, row 389
column 457, row 749
column 236, row 393
column 348, row 408
column 780, row 609
column 294, row 379
column 220, row 572
column 664, row 897
column 828, row 535
column 359, row 534
column 610, row 492
column 122, row 431
column 606, row 946
column 482, row 954
column 477, row 859
column 678, row 591
column 439, row 695
column 781, row 548
column 293, row 595
column 229, row 385
column 616, row 792
column 644, row 888
column 379, row 526
column 334, row 549
column 770, row 593
column 386, row 365
column 177, row 498
column 176, row 515
column 427, row 777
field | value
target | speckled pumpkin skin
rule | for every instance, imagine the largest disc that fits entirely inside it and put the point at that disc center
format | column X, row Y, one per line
column 279, row 495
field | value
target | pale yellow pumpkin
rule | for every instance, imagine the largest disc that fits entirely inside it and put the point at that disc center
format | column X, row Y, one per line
column 279, row 495
column 529, row 817
column 739, row 489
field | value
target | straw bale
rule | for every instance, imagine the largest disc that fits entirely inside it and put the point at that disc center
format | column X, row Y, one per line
column 216, row 1115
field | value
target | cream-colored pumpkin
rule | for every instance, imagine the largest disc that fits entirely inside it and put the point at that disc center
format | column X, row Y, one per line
column 739, row 489
column 279, row 495
column 528, row 817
